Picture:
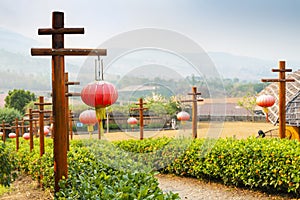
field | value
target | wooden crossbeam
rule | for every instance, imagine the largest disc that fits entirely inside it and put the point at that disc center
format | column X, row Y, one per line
column 50, row 31
column 73, row 94
column 277, row 80
column 67, row 52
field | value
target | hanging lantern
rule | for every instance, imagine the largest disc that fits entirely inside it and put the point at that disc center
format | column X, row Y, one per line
column 132, row 121
column 12, row 135
column 1, row 134
column 99, row 94
column 26, row 136
column 265, row 101
column 46, row 130
column 88, row 117
column 183, row 116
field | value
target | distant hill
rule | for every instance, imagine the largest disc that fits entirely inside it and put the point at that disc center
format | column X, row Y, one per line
column 246, row 68
column 14, row 42
column 15, row 58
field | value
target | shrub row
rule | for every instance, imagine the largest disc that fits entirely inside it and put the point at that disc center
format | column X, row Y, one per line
column 92, row 173
column 6, row 169
column 266, row 164
column 124, row 170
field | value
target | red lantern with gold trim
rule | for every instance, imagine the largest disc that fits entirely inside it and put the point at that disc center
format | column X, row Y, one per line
column 99, row 94
column 183, row 116
column 265, row 101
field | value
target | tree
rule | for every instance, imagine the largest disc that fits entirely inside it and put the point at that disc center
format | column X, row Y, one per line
column 248, row 102
column 18, row 99
column 9, row 115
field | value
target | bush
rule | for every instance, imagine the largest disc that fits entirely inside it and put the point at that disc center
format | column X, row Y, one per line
column 7, row 166
column 90, row 174
column 9, row 115
column 272, row 165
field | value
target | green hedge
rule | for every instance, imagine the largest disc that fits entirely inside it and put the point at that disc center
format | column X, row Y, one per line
column 125, row 170
column 267, row 164
column 92, row 174
column 7, row 166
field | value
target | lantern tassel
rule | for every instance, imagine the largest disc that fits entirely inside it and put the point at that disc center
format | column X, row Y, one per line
column 90, row 128
column 267, row 113
column 100, row 114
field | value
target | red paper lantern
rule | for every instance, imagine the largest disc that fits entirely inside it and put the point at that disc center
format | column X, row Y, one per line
column 183, row 116
column 88, row 117
column 46, row 130
column 26, row 136
column 132, row 121
column 265, row 101
column 99, row 94
column 12, row 135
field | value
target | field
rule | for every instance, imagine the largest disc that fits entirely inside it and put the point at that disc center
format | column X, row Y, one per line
column 205, row 129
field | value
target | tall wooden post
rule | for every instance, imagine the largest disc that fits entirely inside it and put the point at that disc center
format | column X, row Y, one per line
column 141, row 113
column 67, row 83
column 194, row 100
column 59, row 102
column 58, row 87
column 282, row 95
column 66, row 79
column 70, row 124
column 3, row 130
column 30, row 130
column 41, row 112
column 22, row 127
column 17, row 133
column 35, row 126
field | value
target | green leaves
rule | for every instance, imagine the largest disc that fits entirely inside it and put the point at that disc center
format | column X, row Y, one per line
column 267, row 164
column 18, row 99
column 96, row 171
column 124, row 170
column 7, row 167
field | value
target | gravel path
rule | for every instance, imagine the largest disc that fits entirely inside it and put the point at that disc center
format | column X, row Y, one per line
column 24, row 188
column 193, row 189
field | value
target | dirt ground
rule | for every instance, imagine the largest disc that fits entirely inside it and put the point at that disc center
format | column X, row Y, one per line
column 188, row 188
column 205, row 129
column 193, row 189
column 24, row 188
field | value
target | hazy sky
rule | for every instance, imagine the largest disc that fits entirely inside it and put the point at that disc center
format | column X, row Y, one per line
column 268, row 29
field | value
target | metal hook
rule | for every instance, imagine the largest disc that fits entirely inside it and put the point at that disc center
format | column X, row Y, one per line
column 99, row 69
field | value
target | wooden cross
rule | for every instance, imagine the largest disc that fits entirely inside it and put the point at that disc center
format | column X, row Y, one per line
column 194, row 100
column 58, row 86
column 71, row 119
column 41, row 111
column 16, row 127
column 67, row 83
column 282, row 96
column 17, row 131
column 4, row 127
column 141, row 113
column 22, row 126
column 31, row 120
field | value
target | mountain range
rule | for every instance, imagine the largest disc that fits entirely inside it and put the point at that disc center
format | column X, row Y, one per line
column 15, row 58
